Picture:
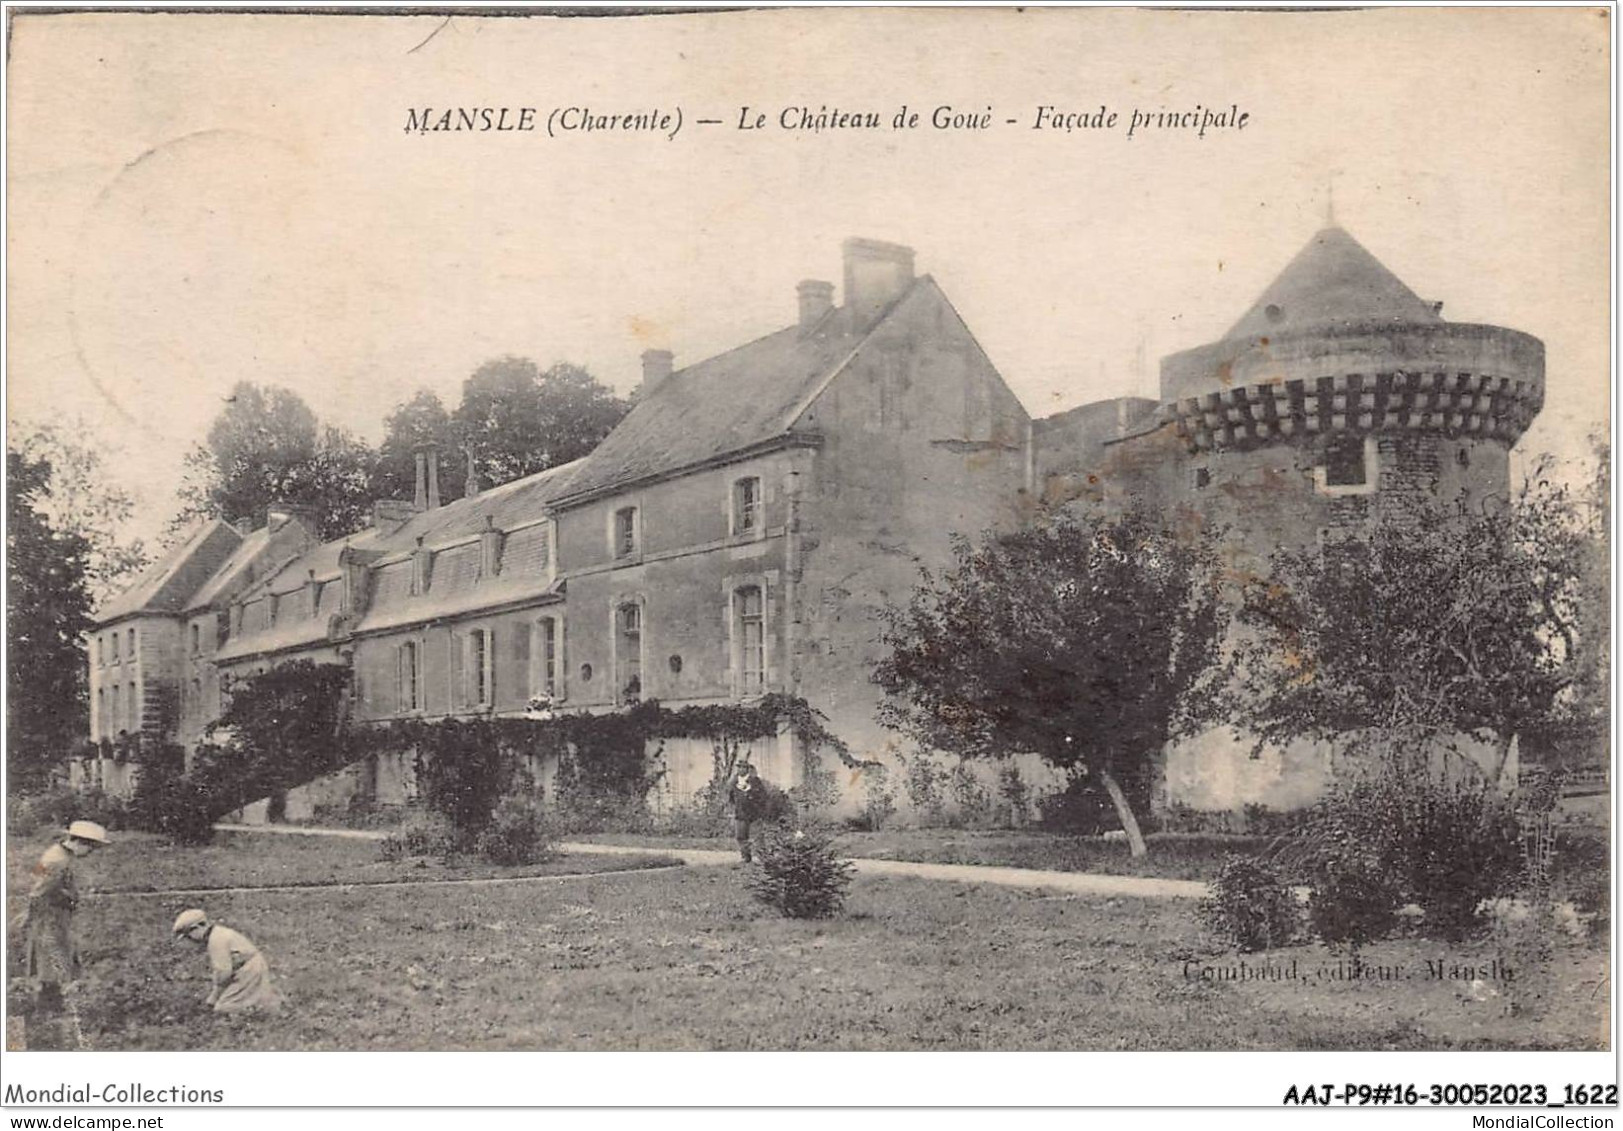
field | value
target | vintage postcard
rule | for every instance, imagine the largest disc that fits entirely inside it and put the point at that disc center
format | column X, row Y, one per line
column 608, row 531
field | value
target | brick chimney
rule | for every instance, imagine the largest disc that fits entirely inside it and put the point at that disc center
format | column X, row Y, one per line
column 876, row 275
column 816, row 300
column 428, row 477
column 656, row 366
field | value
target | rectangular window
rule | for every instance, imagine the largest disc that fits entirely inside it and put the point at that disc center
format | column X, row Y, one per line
column 629, row 650
column 408, row 678
column 752, row 640
column 114, row 716
column 101, row 713
column 625, row 532
column 197, row 639
column 476, row 670
column 132, row 643
column 548, row 658
column 135, row 710
column 747, row 505
column 101, row 651
column 197, row 695
column 115, row 647
column 1344, row 464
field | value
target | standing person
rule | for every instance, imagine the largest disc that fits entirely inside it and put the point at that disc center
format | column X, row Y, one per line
column 241, row 975
column 52, row 955
column 749, row 800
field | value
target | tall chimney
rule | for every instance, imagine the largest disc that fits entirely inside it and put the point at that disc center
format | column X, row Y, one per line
column 656, row 366
column 876, row 275
column 816, row 300
column 428, row 476
column 470, row 486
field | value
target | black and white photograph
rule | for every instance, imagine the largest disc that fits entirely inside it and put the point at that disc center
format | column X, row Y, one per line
column 852, row 530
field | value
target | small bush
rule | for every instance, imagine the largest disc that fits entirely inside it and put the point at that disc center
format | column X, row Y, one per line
column 798, row 873
column 926, row 789
column 1353, row 904
column 173, row 803
column 1250, row 907
column 420, row 834
column 878, row 798
column 1081, row 809
column 1398, row 836
column 1016, row 796
column 972, row 800
column 48, row 810
column 517, row 833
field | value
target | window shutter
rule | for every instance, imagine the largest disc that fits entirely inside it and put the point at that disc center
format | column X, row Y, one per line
column 459, row 685
column 523, row 682
column 490, row 668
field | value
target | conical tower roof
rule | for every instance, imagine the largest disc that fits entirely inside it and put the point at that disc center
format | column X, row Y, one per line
column 1333, row 281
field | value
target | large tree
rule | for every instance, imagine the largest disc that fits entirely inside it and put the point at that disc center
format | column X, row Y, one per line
column 80, row 498
column 47, row 615
column 1411, row 632
column 1079, row 641
column 266, row 446
column 517, row 420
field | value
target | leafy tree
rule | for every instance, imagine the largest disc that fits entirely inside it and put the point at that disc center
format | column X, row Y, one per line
column 421, row 420
column 518, row 420
column 1079, row 641
column 285, row 727
column 47, row 615
column 79, row 499
column 266, row 446
column 1409, row 633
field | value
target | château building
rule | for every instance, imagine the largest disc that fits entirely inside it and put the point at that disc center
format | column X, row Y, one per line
column 739, row 532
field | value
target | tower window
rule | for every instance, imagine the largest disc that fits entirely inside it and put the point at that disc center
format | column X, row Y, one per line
column 626, row 532
column 1344, row 463
column 747, row 505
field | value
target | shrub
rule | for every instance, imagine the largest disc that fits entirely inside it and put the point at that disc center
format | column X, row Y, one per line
column 925, row 781
column 798, row 873
column 420, row 834
column 1353, row 904
column 972, row 799
column 1081, row 809
column 878, row 798
column 1395, row 836
column 517, row 833
column 1016, row 795
column 175, row 804
column 1250, row 906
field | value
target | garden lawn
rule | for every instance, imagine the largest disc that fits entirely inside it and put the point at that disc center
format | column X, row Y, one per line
column 685, row 959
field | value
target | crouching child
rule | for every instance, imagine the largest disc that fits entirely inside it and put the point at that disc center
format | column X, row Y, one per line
column 241, row 976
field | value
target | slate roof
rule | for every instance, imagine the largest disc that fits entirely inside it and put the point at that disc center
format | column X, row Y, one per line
column 167, row 585
column 511, row 504
column 1333, row 281
column 728, row 403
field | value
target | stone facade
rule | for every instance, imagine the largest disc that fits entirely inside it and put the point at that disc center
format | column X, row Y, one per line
column 739, row 532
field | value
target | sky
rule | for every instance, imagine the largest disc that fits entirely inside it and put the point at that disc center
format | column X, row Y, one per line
column 195, row 200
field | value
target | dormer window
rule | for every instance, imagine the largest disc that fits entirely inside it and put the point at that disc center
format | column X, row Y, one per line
column 747, row 506
column 627, row 532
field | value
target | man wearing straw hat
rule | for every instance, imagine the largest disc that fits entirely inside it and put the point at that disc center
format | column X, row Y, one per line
column 53, row 959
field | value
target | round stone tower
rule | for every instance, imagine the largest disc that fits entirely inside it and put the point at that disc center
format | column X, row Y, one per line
column 1340, row 391
column 1339, row 395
